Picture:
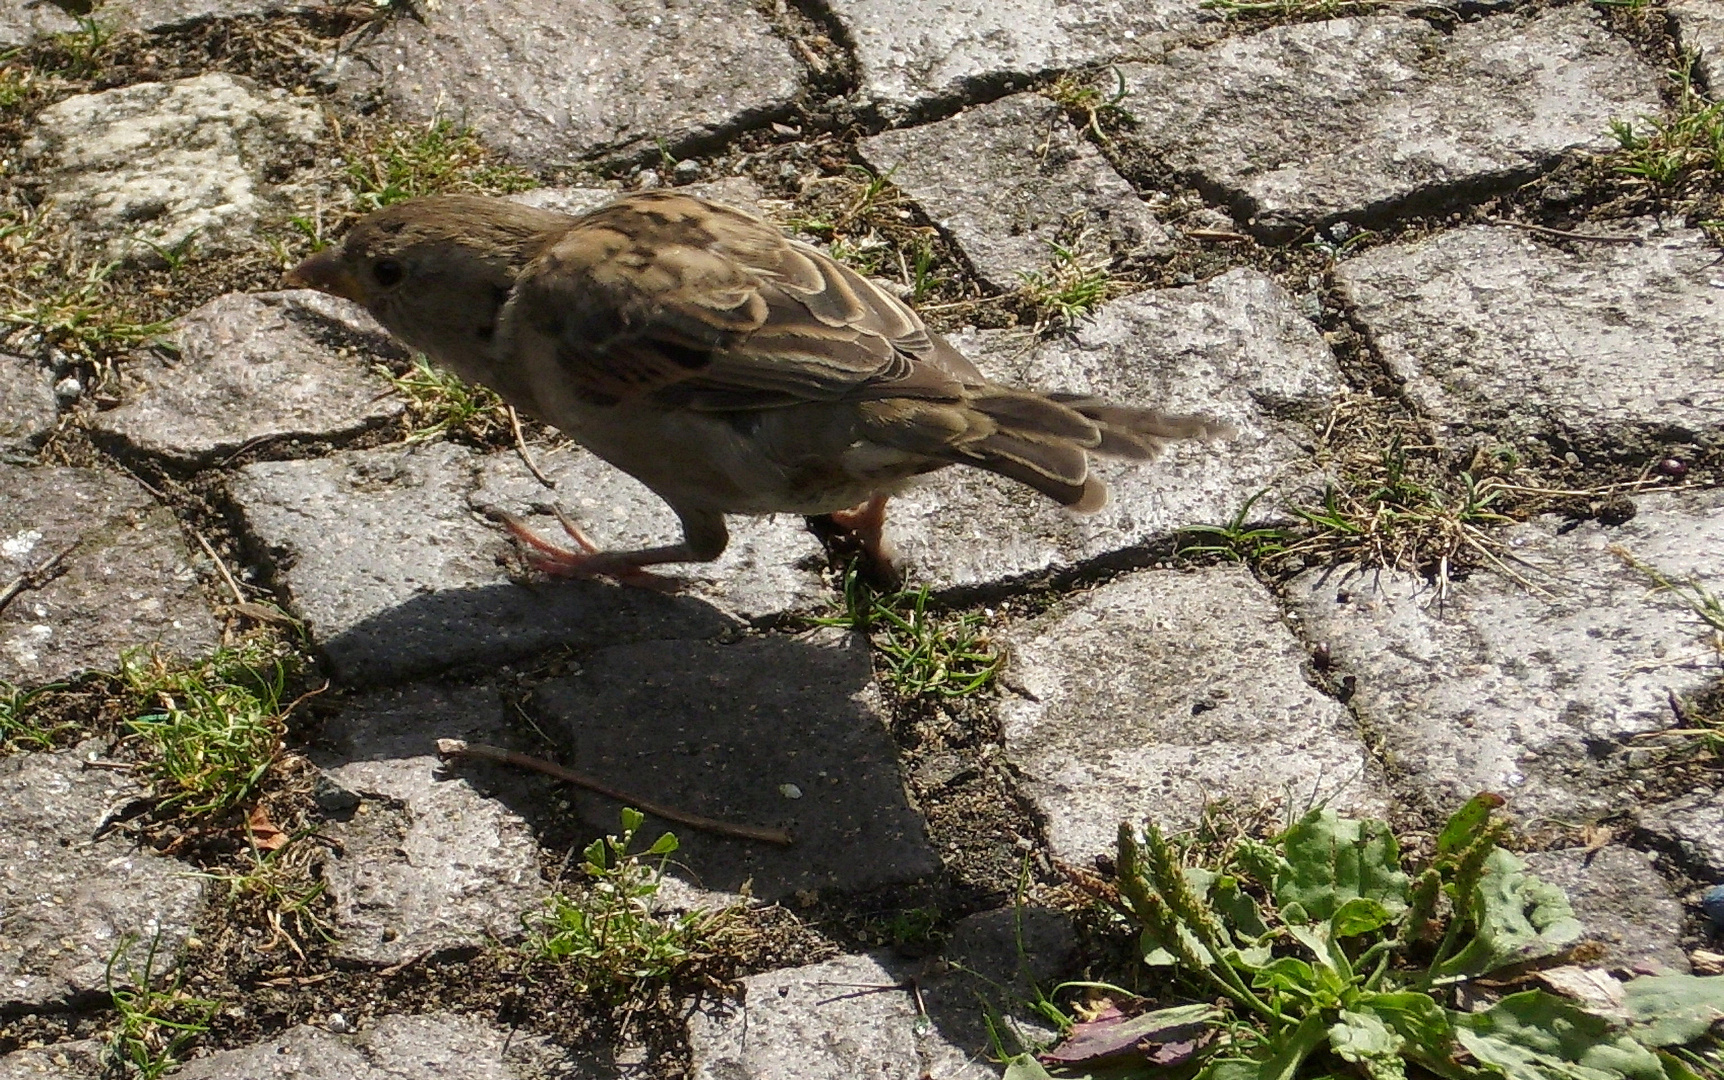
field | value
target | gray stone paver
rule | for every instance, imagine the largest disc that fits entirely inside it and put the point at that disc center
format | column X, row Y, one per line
column 28, row 409
column 1528, row 695
column 835, row 1020
column 68, row 899
column 915, row 52
column 23, row 21
column 252, row 369
column 180, row 165
column 128, row 580
column 430, row 1046
column 428, row 862
column 1143, row 696
column 1311, row 121
column 78, row 1060
column 560, row 80
column 1010, row 179
column 781, row 732
column 1234, row 348
column 1622, row 902
column 1700, row 27
column 396, row 576
column 1161, row 690
column 1603, row 346
column 158, row 15
column 1693, row 828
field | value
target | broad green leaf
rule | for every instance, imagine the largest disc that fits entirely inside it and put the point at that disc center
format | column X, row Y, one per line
column 632, row 819
column 1469, row 821
column 1260, row 860
column 1426, row 1028
column 1538, row 1036
column 1669, row 1010
column 1290, row 975
column 1363, row 1038
column 1237, row 909
column 1360, row 915
column 1283, row 1055
column 1026, row 1067
column 1320, row 939
column 1331, row 860
column 1159, row 953
column 1520, row 918
column 664, row 845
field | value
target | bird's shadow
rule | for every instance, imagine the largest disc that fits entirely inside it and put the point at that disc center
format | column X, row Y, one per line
column 780, row 731
column 656, row 695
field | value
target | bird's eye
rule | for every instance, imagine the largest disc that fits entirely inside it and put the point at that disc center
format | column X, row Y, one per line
column 388, row 273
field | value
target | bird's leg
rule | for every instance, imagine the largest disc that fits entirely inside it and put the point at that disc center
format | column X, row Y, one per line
column 704, row 539
column 867, row 523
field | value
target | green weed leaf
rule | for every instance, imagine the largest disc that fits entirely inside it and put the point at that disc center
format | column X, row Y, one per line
column 1520, row 918
column 1331, row 860
column 1668, row 1010
column 1539, row 1036
column 1363, row 1038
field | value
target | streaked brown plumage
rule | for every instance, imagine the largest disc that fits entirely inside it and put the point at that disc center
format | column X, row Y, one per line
column 730, row 369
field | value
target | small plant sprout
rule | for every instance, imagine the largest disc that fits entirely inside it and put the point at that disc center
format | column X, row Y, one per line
column 1690, row 138
column 1236, row 540
column 442, row 404
column 1316, row 953
column 156, row 1026
column 1081, row 96
column 1073, row 285
column 209, row 733
column 437, row 158
column 608, row 930
column 922, row 653
column 21, row 725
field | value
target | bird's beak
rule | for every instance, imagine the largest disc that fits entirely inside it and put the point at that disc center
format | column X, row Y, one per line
column 327, row 272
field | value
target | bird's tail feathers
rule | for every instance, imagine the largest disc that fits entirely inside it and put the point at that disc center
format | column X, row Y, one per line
column 1044, row 440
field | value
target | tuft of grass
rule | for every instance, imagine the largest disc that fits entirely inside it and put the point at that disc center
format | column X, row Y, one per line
column 1317, row 953
column 442, row 404
column 1073, row 285
column 21, row 727
column 156, row 1026
column 212, row 730
column 608, row 929
column 83, row 51
column 922, row 653
column 1236, row 541
column 1082, row 96
column 1665, row 150
column 59, row 301
column 279, row 887
column 440, row 157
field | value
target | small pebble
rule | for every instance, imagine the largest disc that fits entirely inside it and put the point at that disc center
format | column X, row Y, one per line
column 648, row 179
column 790, row 791
column 339, row 1024
column 68, row 389
column 686, row 171
column 1712, row 903
column 1673, row 467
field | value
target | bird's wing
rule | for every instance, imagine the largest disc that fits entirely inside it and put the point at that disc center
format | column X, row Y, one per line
column 673, row 298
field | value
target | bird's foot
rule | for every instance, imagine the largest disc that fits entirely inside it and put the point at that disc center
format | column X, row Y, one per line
column 587, row 562
column 866, row 524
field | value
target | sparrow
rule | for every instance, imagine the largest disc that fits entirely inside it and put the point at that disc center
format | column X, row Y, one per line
column 727, row 367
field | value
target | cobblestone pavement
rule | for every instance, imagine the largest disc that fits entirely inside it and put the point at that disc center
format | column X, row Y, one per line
column 1393, row 241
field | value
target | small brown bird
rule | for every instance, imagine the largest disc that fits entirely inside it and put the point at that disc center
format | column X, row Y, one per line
column 728, row 368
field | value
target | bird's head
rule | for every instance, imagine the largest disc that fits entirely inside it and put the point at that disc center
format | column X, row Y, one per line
column 436, row 271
